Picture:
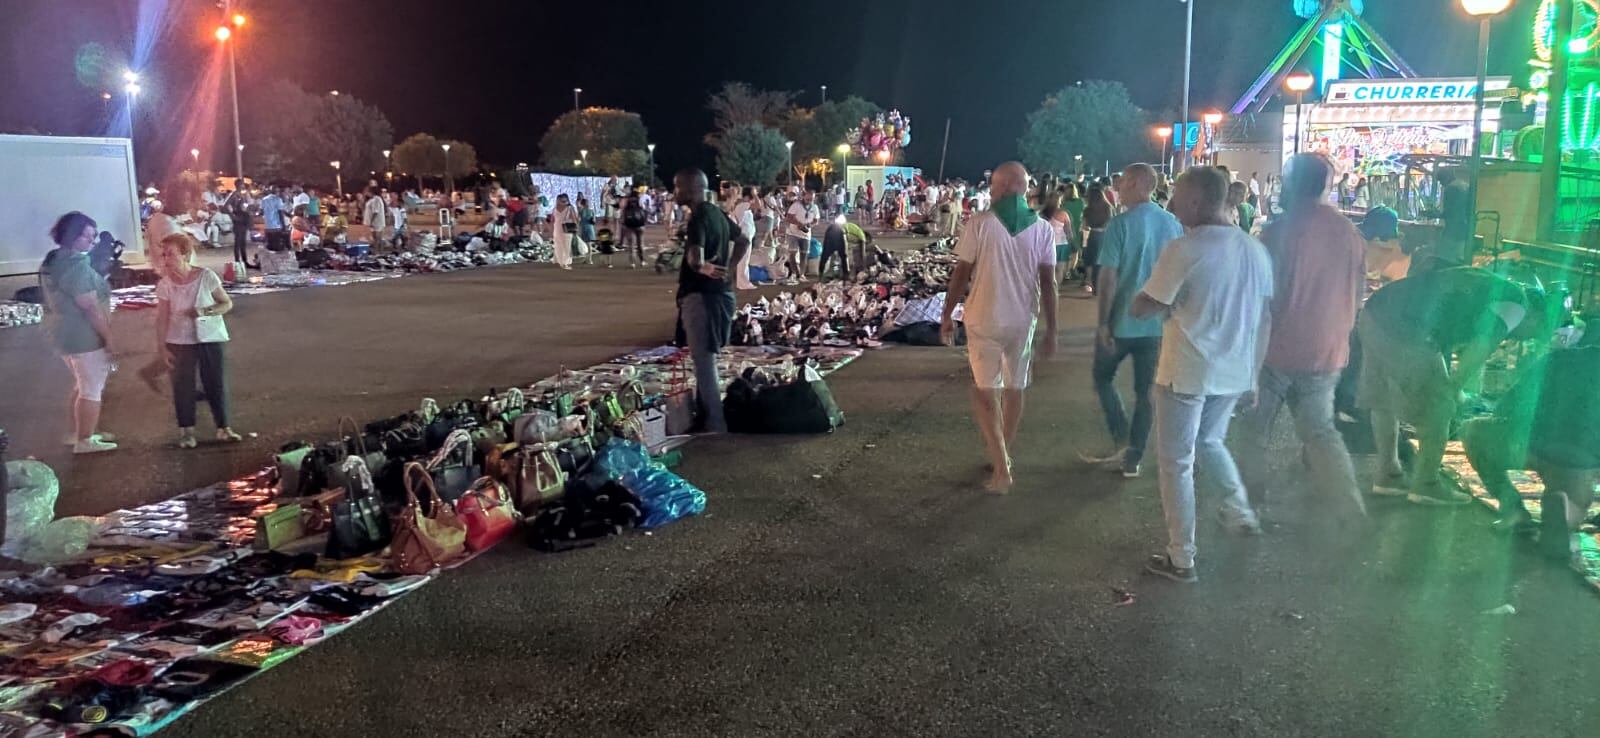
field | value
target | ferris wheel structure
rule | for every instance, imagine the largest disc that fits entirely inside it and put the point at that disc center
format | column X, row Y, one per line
column 1346, row 41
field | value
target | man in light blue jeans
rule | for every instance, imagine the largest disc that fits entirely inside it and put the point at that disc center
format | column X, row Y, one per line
column 705, row 294
column 1214, row 286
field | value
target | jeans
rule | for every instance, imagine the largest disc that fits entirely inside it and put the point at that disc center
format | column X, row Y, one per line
column 636, row 236
column 209, row 359
column 706, row 331
column 1309, row 396
column 1187, row 426
column 1145, row 353
column 829, row 251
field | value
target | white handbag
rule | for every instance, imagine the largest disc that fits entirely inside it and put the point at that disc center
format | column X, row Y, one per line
column 208, row 328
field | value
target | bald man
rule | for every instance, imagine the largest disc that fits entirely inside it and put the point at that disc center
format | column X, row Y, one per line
column 1005, row 271
column 705, row 292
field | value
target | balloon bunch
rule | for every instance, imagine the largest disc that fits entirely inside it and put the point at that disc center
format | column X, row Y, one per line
column 881, row 134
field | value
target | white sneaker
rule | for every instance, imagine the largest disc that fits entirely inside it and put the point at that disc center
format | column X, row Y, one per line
column 72, row 440
column 1095, row 457
column 92, row 445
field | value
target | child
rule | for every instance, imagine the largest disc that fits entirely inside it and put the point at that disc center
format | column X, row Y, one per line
column 191, row 334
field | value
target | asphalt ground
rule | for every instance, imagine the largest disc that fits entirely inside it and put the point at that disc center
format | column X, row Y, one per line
column 850, row 584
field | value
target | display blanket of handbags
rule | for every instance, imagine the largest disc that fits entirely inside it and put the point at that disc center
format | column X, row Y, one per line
column 803, row 406
column 425, row 540
column 358, row 526
column 487, row 514
column 537, row 479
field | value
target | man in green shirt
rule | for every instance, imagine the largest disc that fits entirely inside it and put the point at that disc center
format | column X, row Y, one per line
column 1549, row 422
column 1409, row 332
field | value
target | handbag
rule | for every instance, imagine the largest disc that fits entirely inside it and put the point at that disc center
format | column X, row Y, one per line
column 486, row 513
column 352, row 445
column 802, row 406
column 647, row 426
column 451, row 469
column 287, row 463
column 358, row 526
column 423, row 541
column 560, row 401
column 630, row 397
column 574, row 455
column 679, row 399
column 279, row 527
column 537, row 479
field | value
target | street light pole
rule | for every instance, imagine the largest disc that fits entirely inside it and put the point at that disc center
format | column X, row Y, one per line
column 196, row 154
column 132, row 90
column 652, row 149
column 338, row 178
column 1188, row 58
column 1484, row 11
column 1298, row 83
column 233, row 88
column 824, row 94
column 451, row 181
column 576, row 91
column 790, row 146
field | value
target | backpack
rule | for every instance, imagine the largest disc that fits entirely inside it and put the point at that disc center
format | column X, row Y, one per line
column 633, row 215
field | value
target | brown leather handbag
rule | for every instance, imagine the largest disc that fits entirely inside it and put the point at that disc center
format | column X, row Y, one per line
column 424, row 541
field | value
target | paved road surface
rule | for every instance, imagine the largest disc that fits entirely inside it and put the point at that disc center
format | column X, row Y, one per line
column 853, row 584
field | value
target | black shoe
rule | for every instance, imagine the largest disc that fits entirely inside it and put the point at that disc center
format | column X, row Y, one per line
column 1161, row 565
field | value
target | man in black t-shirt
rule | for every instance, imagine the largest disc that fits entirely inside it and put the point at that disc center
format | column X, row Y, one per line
column 705, row 296
column 1409, row 331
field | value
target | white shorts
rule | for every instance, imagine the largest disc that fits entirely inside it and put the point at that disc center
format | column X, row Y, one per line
column 1001, row 359
column 90, row 371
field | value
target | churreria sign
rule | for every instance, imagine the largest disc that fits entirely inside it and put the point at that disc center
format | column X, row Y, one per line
column 1436, row 90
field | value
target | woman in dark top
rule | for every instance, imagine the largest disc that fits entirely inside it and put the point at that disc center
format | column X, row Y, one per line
column 1096, row 214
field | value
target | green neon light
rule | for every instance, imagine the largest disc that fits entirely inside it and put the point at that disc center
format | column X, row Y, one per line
column 1332, row 51
column 1586, row 133
column 1566, row 122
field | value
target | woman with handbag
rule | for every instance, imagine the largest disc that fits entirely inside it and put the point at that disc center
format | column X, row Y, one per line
column 190, row 335
column 564, row 226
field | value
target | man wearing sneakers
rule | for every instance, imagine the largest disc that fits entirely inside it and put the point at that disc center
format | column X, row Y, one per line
column 801, row 216
column 1132, row 243
column 1214, row 285
column 1409, row 331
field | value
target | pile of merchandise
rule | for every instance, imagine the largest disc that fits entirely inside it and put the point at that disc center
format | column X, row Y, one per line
column 146, row 613
column 877, row 305
column 14, row 313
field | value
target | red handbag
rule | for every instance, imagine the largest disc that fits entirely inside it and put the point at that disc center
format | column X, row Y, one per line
column 488, row 515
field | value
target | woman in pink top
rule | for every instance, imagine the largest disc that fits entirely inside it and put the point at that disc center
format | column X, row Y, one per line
column 1317, row 259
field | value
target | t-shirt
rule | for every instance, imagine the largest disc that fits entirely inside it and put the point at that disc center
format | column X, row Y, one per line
column 1074, row 208
column 1217, row 280
column 1554, row 404
column 1004, row 295
column 708, row 229
column 853, row 235
column 1247, row 216
column 807, row 215
column 1132, row 243
column 374, row 212
column 64, row 275
column 1318, row 276
column 182, row 298
column 1447, row 308
column 745, row 219
column 314, row 207
column 272, row 212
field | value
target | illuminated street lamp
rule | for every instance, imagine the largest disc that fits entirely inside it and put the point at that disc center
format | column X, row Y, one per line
column 790, row 146
column 844, row 164
column 386, row 153
column 338, row 177
column 652, row 149
column 196, row 154
column 585, row 154
column 576, row 91
column 224, row 35
column 447, row 177
column 1484, row 11
column 132, row 89
column 1212, row 120
column 1298, row 83
column 1165, row 134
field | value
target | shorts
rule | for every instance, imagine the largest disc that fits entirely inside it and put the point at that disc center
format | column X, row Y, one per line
column 799, row 246
column 90, row 370
column 1405, row 377
column 1063, row 253
column 1002, row 358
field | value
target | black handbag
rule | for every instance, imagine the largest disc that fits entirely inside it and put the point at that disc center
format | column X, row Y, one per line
column 798, row 407
column 574, row 455
column 460, row 416
column 356, row 444
column 452, row 469
column 359, row 525
column 401, row 438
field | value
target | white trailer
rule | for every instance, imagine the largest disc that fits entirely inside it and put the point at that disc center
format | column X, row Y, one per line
column 43, row 177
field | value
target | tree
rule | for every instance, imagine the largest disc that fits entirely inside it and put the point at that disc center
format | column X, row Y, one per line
column 751, row 154
column 1096, row 120
column 738, row 104
column 610, row 136
column 817, row 132
column 422, row 153
column 299, row 134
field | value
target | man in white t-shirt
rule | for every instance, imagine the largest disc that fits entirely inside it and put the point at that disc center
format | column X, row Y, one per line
column 802, row 215
column 1005, row 272
column 375, row 214
column 1214, row 286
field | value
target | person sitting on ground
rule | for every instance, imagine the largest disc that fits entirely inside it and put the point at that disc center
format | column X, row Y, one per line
column 1005, row 275
column 1214, row 287
column 1409, row 330
column 1548, row 422
column 190, row 336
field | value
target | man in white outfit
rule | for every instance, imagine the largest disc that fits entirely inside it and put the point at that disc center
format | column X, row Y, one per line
column 1007, row 258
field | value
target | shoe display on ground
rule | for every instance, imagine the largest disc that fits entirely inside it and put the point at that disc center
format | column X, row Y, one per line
column 1161, row 565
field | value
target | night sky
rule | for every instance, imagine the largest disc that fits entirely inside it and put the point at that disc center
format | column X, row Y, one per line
column 496, row 73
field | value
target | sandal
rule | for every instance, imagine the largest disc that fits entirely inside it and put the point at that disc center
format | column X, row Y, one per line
column 226, row 435
column 187, row 441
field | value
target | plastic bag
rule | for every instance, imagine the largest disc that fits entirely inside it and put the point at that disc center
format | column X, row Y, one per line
column 60, row 540
column 665, row 496
column 30, row 502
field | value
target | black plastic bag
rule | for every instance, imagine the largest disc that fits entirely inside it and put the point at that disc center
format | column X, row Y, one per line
column 798, row 407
